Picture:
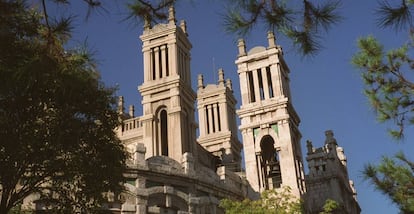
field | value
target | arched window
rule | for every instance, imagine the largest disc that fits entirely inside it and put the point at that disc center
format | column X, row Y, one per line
column 271, row 173
column 164, row 132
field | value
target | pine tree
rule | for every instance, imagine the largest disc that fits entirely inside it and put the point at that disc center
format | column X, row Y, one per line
column 57, row 119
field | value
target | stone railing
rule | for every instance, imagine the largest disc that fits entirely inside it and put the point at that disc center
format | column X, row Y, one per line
column 130, row 125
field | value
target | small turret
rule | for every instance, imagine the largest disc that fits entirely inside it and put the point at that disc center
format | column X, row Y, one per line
column 242, row 47
column 221, row 77
column 171, row 15
column 271, row 39
column 121, row 105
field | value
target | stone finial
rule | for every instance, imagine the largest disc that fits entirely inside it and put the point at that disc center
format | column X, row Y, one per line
column 121, row 105
column 309, row 146
column 147, row 23
column 221, row 76
column 171, row 15
column 200, row 82
column 242, row 47
column 131, row 111
column 330, row 137
column 229, row 84
column 271, row 39
column 183, row 26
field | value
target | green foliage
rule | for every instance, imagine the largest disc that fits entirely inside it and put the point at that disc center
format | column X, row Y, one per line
column 243, row 15
column 398, row 17
column 271, row 202
column 386, row 77
column 283, row 16
column 57, row 119
column 394, row 177
column 331, row 206
column 149, row 11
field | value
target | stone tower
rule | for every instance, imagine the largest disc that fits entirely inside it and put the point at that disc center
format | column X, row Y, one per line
column 328, row 178
column 269, row 123
column 217, row 119
column 167, row 97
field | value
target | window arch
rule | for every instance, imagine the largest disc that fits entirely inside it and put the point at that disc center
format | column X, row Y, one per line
column 163, row 127
column 270, row 164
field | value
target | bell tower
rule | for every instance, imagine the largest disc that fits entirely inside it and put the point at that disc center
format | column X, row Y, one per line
column 217, row 117
column 269, row 123
column 167, row 97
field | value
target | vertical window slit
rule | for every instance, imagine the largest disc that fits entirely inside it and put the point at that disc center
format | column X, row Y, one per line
column 212, row 116
column 251, row 87
column 208, row 122
column 218, row 117
column 164, row 133
column 269, row 82
column 167, row 72
column 259, row 76
column 160, row 60
column 153, row 63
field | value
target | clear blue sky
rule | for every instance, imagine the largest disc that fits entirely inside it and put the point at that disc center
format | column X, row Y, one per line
column 327, row 90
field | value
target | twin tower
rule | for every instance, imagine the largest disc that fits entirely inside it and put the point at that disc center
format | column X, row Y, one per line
column 269, row 123
column 175, row 171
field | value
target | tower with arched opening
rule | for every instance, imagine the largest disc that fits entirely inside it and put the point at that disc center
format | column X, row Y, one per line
column 167, row 97
column 269, row 123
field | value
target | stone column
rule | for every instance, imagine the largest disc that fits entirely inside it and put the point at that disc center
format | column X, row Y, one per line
column 163, row 61
column 265, row 83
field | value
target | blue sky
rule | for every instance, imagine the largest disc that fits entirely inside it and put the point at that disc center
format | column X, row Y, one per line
column 327, row 90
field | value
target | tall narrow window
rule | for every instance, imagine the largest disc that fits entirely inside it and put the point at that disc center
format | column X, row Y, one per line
column 167, row 72
column 208, row 122
column 269, row 82
column 218, row 117
column 164, row 132
column 153, row 63
column 213, row 117
column 160, row 60
column 251, row 87
column 259, row 76
column 186, row 133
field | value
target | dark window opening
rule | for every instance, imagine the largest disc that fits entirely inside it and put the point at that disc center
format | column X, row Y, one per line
column 251, row 87
column 269, row 82
column 207, row 121
column 261, row 90
column 153, row 63
column 160, row 61
column 164, row 133
column 218, row 117
column 212, row 116
column 167, row 72
column 270, row 163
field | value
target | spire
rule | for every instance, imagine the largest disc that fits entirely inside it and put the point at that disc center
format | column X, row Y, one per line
column 271, row 39
column 229, row 84
column 131, row 111
column 121, row 105
column 200, row 81
column 147, row 23
column 242, row 47
column 183, row 26
column 221, row 76
column 171, row 15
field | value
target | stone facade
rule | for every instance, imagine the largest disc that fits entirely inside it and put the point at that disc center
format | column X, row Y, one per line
column 173, row 171
column 269, row 123
column 328, row 177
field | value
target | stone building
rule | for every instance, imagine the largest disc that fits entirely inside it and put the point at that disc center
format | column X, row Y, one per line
column 175, row 171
